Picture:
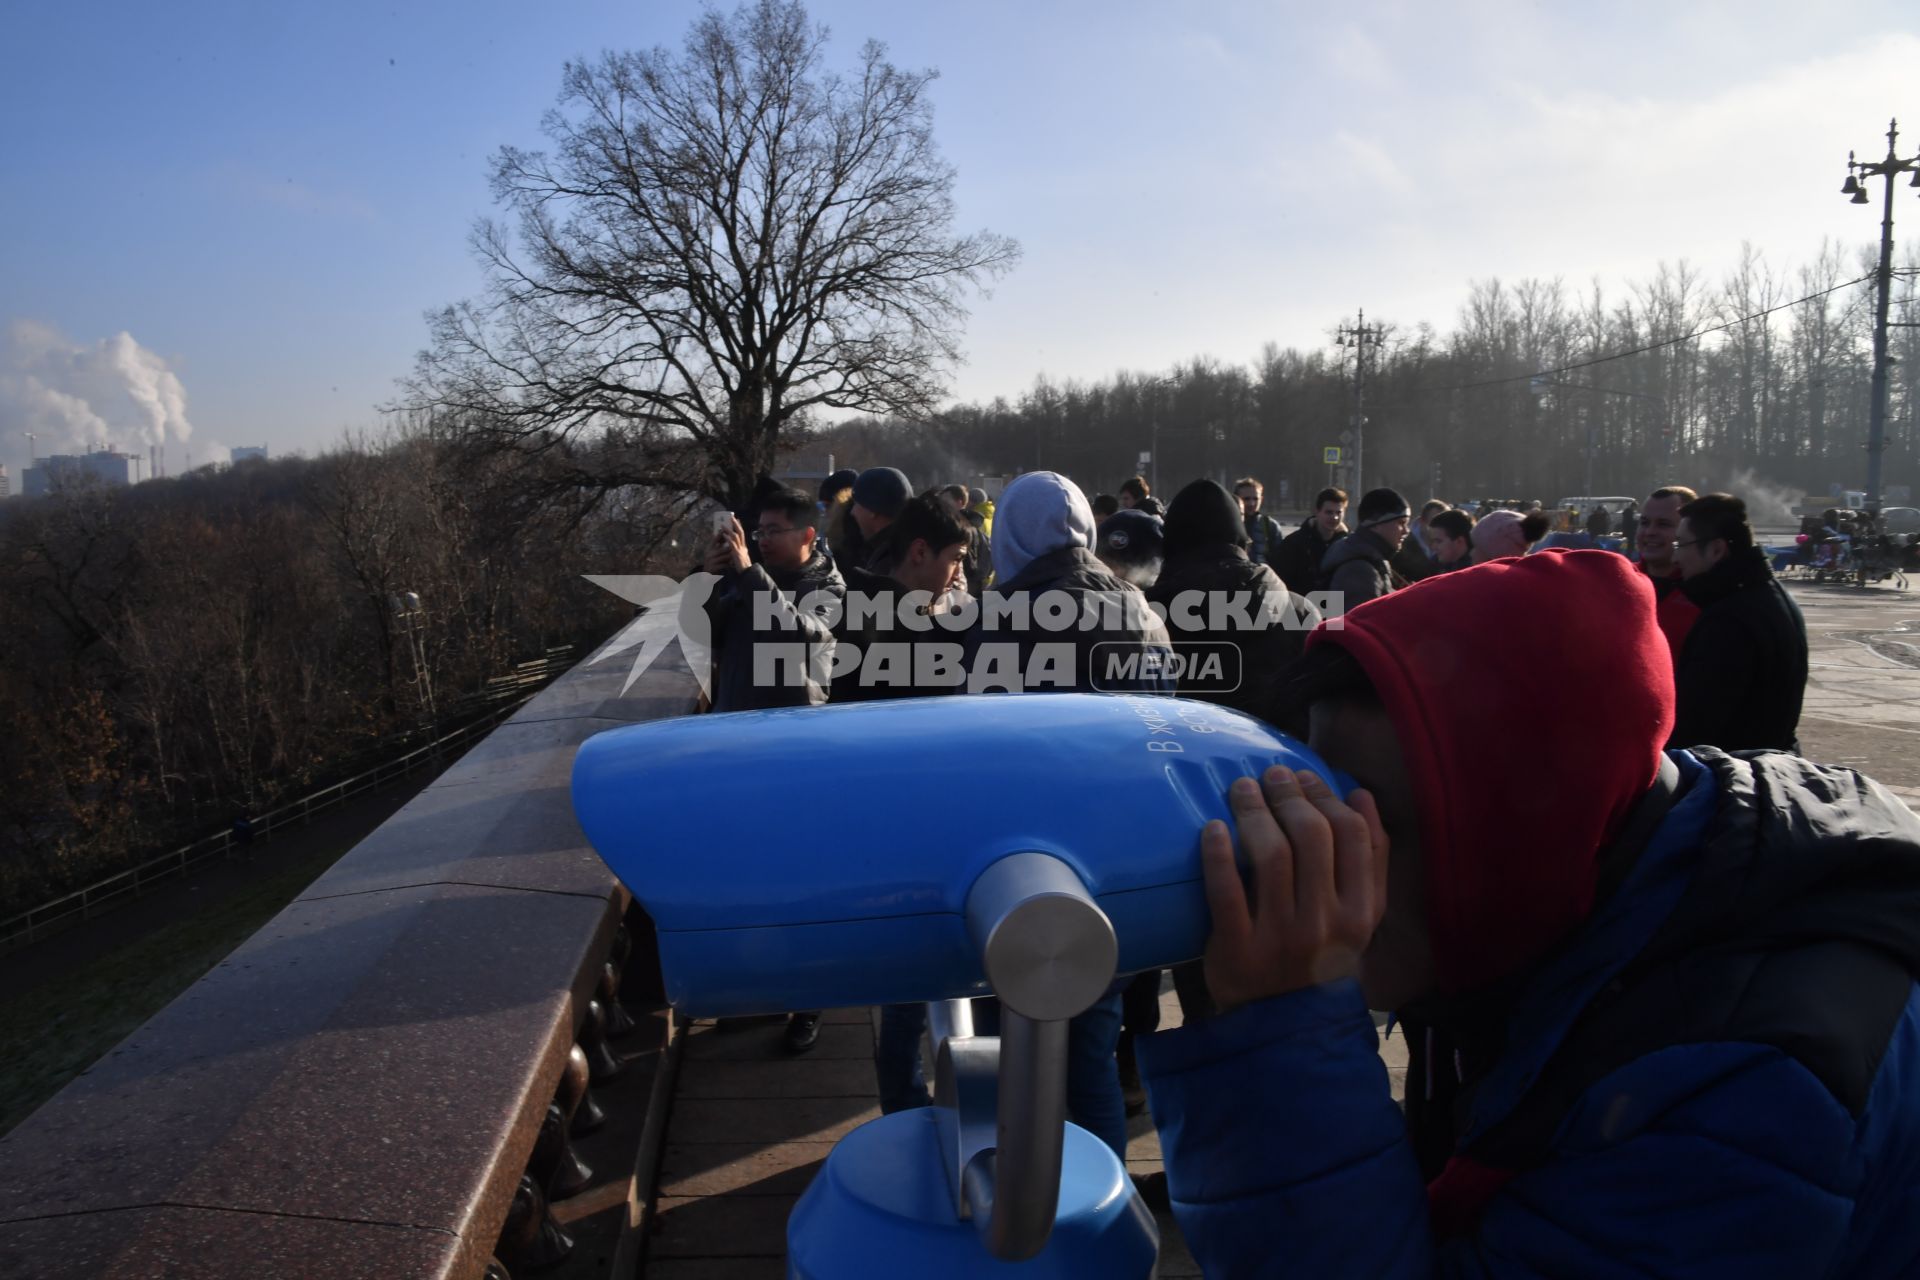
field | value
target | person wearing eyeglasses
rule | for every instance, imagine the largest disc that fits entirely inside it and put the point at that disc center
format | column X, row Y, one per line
column 770, row 648
column 1740, row 679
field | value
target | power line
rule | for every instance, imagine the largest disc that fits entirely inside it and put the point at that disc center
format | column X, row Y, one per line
column 1656, row 346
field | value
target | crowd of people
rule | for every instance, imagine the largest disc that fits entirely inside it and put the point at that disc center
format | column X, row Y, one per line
column 1658, row 990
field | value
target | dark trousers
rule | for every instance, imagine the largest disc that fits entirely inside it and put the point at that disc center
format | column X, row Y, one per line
column 1140, row 1001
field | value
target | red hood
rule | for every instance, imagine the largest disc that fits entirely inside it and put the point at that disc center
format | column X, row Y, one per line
column 1531, row 698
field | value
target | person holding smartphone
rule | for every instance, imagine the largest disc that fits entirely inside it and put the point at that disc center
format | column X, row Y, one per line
column 770, row 650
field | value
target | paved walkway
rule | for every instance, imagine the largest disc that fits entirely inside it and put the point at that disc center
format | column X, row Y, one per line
column 1862, row 706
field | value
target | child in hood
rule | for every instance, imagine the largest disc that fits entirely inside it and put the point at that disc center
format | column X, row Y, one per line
column 1666, row 1003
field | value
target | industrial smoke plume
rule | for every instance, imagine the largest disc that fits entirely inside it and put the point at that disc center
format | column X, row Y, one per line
column 74, row 397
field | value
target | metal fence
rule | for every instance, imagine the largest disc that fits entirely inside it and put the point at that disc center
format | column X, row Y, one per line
column 502, row 696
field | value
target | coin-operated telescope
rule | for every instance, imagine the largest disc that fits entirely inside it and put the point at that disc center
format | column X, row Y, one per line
column 1031, row 847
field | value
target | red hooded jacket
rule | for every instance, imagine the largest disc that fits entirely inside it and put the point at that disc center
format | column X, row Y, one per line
column 1488, row 675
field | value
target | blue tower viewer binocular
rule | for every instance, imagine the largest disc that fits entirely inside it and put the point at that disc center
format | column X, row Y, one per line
column 1031, row 847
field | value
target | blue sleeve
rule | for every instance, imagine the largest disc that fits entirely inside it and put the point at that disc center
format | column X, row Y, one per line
column 1698, row 1160
column 1286, row 1156
column 1285, row 1153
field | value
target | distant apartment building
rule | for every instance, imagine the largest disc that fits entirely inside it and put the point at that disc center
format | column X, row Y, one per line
column 108, row 467
column 6, row 485
column 246, row 451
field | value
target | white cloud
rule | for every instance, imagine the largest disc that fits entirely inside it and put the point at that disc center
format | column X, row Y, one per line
column 71, row 396
column 1564, row 180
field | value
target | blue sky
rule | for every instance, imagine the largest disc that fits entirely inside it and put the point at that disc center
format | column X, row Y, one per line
column 266, row 197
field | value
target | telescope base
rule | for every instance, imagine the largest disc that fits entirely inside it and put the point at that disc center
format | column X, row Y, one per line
column 882, row 1206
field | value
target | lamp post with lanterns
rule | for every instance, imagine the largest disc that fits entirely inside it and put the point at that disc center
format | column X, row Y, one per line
column 1855, row 186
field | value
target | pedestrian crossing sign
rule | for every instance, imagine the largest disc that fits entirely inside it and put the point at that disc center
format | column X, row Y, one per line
column 1331, row 455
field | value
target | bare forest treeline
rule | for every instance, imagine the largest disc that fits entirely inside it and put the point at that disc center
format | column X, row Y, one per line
column 183, row 652
column 1783, row 396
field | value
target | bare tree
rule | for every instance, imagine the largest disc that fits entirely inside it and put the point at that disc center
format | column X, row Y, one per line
column 719, row 242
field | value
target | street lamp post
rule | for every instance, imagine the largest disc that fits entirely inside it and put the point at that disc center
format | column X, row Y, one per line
column 411, row 617
column 1883, row 287
column 1359, row 337
column 1153, row 430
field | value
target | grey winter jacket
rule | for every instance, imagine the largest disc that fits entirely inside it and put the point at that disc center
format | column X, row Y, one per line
column 1356, row 569
column 1123, row 651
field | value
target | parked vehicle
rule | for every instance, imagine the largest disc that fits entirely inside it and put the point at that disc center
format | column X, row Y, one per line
column 1614, row 505
column 1900, row 521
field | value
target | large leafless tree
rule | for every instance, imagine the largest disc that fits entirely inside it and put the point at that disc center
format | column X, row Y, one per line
column 718, row 241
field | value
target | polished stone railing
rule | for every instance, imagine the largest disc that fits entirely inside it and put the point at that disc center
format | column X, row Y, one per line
column 397, row 1075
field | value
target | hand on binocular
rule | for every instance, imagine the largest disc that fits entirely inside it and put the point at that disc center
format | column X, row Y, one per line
column 1316, row 889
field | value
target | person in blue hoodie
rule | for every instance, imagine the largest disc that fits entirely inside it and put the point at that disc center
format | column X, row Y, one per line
column 1663, row 1004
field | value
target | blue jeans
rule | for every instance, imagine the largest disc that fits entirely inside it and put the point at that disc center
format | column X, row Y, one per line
column 896, row 1058
column 1094, row 1100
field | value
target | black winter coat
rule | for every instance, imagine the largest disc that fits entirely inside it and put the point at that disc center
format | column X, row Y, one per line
column 879, row 657
column 1248, row 591
column 1298, row 560
column 731, row 611
column 1412, row 562
column 1743, row 671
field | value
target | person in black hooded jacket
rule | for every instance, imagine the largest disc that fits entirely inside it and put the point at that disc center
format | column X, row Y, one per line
column 1218, row 600
column 1742, row 672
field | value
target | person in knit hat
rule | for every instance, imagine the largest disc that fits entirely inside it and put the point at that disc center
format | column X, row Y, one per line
column 878, row 495
column 838, row 486
column 1667, row 1011
column 1359, row 567
column 1507, row 533
column 1129, row 543
column 980, row 504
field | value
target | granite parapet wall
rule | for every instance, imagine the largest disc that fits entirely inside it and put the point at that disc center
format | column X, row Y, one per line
column 358, row 1089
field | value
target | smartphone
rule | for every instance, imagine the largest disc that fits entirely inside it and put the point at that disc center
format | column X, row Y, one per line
column 722, row 522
